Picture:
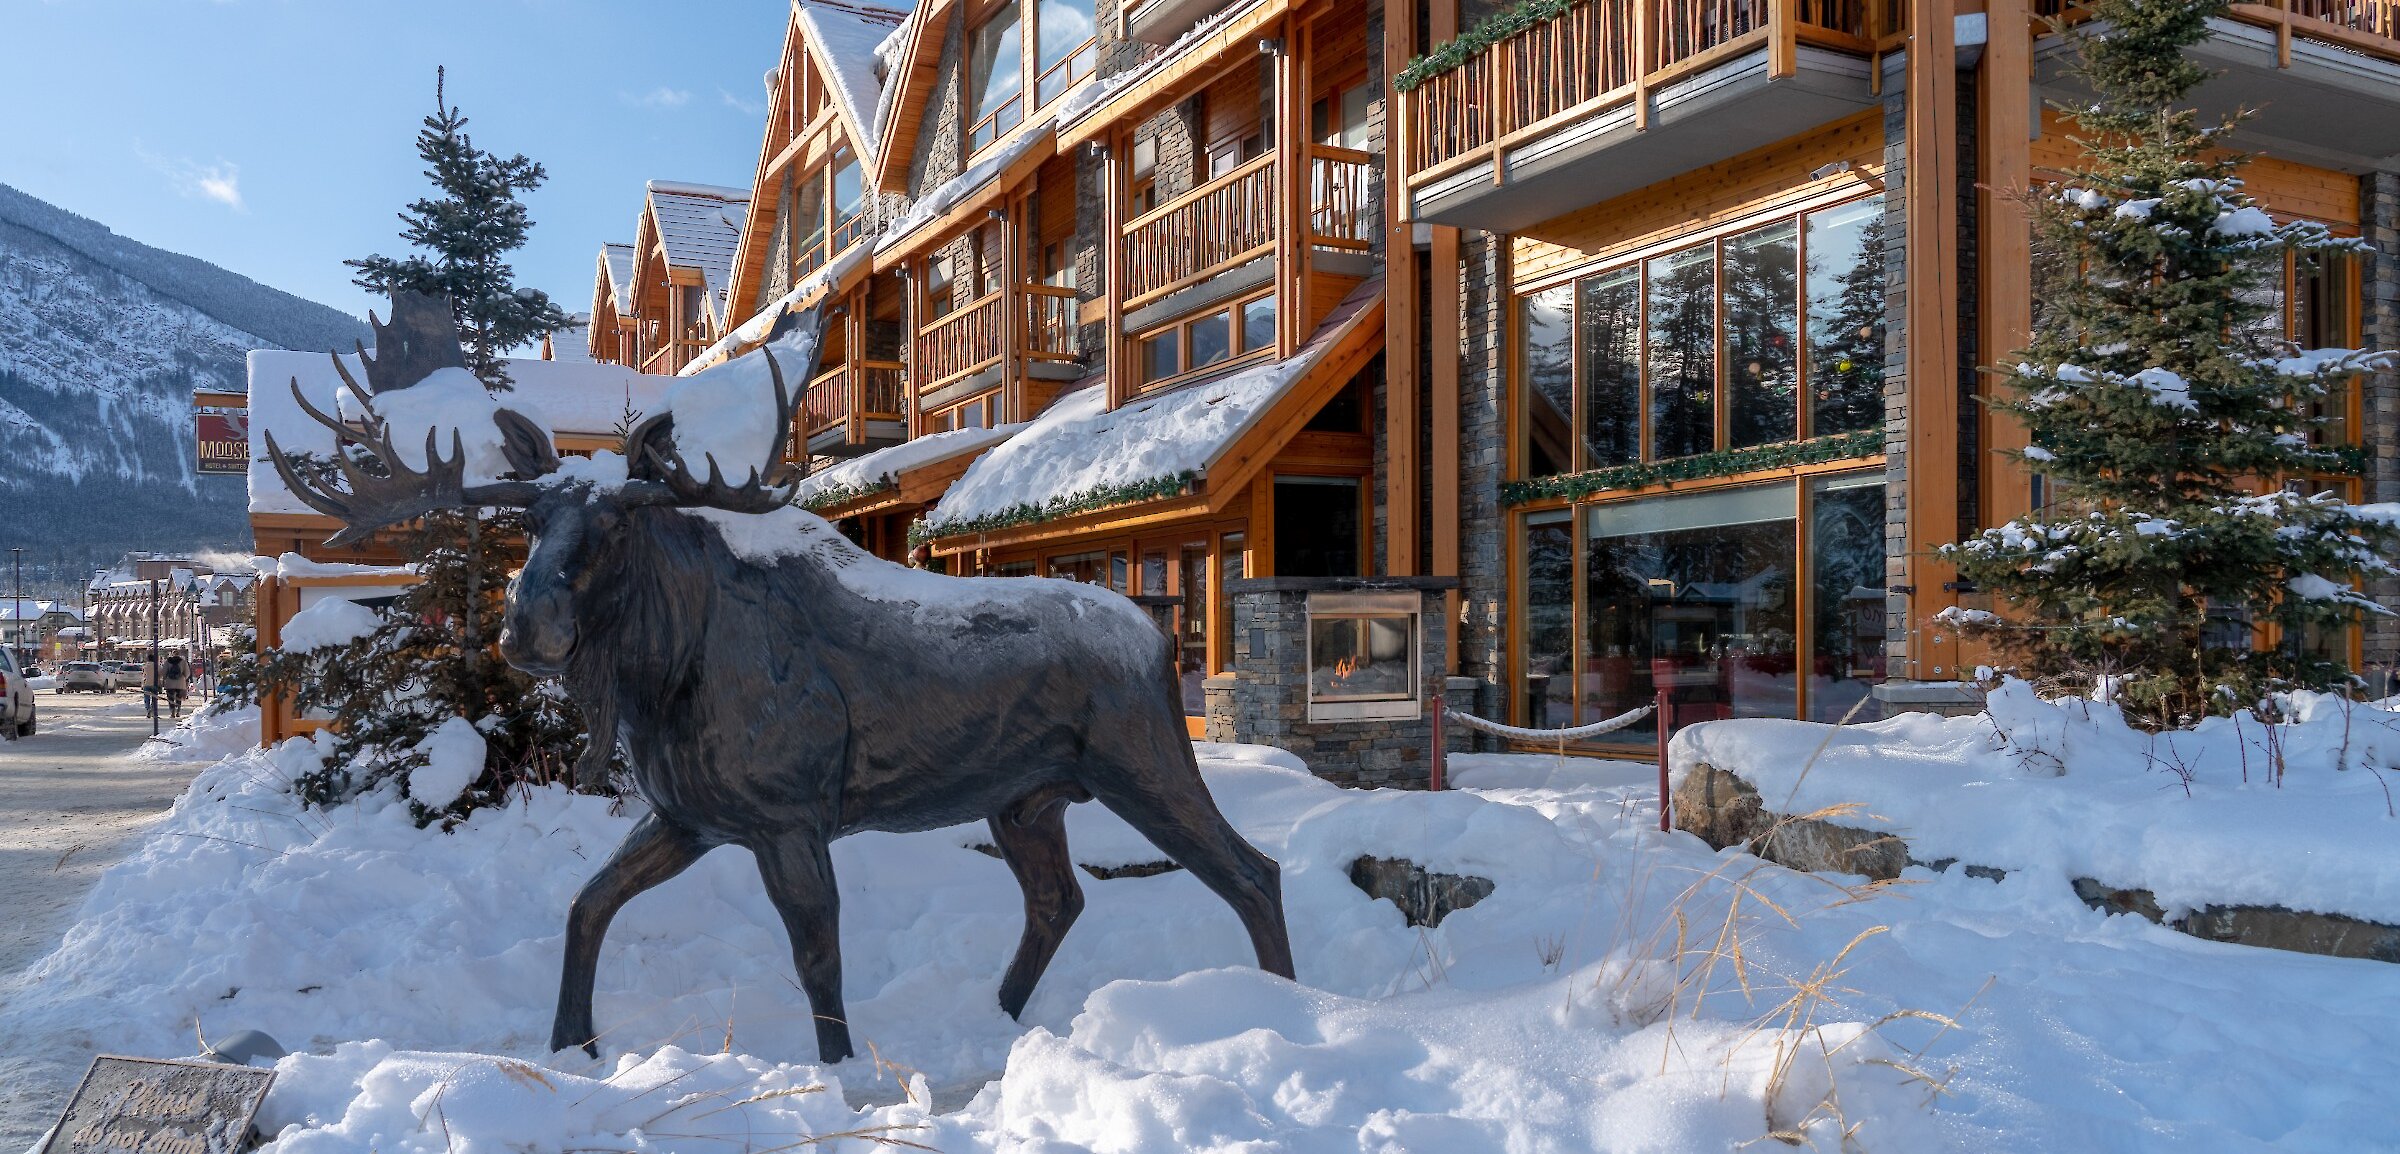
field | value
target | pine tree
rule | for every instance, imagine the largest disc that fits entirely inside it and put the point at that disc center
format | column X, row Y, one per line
column 429, row 660
column 469, row 231
column 2178, row 432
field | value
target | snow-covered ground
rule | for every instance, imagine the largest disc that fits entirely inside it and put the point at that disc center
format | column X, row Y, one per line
column 1594, row 1002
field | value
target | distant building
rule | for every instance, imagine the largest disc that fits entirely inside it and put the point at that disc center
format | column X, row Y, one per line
column 176, row 602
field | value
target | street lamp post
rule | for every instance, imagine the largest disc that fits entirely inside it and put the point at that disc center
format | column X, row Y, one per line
column 150, row 691
column 16, row 612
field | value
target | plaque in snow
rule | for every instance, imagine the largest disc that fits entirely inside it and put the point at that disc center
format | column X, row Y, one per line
column 151, row 1106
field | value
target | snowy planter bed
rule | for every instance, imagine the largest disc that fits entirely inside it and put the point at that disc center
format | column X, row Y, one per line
column 2282, row 835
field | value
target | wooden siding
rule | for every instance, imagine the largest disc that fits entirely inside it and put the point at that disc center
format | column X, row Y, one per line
column 1774, row 178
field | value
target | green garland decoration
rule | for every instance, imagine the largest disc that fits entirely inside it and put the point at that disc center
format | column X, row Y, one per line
column 1488, row 31
column 829, row 497
column 1065, row 506
column 1574, row 486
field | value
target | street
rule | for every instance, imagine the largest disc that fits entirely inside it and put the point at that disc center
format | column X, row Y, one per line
column 73, row 799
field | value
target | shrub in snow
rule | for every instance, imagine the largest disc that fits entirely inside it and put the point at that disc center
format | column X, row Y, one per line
column 2157, row 390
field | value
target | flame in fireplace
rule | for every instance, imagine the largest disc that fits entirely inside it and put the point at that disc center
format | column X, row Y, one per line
column 1345, row 668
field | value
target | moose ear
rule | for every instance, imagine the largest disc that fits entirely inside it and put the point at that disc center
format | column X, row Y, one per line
column 526, row 445
column 649, row 444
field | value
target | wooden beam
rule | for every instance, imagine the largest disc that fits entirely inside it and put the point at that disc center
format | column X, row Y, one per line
column 1932, row 318
column 2005, row 300
column 1443, row 392
column 1400, row 333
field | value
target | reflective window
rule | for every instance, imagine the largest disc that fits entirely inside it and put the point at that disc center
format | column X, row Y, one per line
column 1549, row 621
column 1693, row 596
column 1846, row 596
column 1762, row 335
column 1546, row 364
column 995, row 78
column 1064, row 30
column 1845, row 317
column 1258, row 323
column 1611, row 305
column 1212, row 339
column 1682, row 361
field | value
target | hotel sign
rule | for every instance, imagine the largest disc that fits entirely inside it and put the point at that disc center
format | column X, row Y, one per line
column 224, row 439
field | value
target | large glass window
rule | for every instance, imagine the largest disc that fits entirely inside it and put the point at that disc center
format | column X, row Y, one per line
column 995, row 78
column 1762, row 335
column 1845, row 317
column 1693, row 596
column 1549, row 628
column 1611, row 306
column 1212, row 339
column 1758, row 337
column 1546, row 352
column 1683, row 351
column 1064, row 54
column 1846, row 596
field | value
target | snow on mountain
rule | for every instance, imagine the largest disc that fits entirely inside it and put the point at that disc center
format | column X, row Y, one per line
column 102, row 342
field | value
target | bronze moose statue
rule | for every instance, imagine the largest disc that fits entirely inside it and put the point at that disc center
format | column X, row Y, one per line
column 891, row 699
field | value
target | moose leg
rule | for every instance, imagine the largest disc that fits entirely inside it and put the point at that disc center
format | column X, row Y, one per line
column 798, row 872
column 655, row 851
column 1174, row 811
column 1036, row 851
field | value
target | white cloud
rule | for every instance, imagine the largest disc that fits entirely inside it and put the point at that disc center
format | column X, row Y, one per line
column 220, row 181
column 661, row 97
column 745, row 107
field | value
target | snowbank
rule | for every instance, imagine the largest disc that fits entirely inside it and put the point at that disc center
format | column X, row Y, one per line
column 2230, row 813
column 413, row 972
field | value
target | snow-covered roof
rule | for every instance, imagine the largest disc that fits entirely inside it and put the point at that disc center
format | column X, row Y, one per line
column 700, row 226
column 616, row 264
column 883, row 466
column 35, row 610
column 845, row 37
column 1080, row 450
column 571, row 396
column 948, row 194
column 573, row 344
column 740, row 338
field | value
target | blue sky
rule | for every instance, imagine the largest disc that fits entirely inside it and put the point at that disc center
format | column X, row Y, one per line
column 277, row 137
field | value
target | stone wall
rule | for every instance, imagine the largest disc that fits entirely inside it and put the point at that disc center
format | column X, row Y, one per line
column 1265, row 699
column 2379, row 285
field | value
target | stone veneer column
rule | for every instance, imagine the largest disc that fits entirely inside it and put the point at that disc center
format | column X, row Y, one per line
column 1895, row 354
column 2379, row 293
column 1483, row 435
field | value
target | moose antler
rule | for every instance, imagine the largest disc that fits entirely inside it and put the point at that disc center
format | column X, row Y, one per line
column 766, row 488
column 420, row 339
column 367, row 500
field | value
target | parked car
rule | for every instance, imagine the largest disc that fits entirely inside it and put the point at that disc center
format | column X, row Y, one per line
column 16, row 699
column 86, row 677
column 129, row 674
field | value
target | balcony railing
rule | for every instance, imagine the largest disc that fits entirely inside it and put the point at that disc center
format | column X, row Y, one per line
column 853, row 394
column 1603, row 51
column 1206, row 231
column 1050, row 316
column 2371, row 27
column 1340, row 213
column 967, row 341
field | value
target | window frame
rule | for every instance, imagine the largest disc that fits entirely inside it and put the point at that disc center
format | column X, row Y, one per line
column 1236, row 334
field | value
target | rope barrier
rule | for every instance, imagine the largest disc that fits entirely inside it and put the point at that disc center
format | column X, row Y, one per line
column 1514, row 733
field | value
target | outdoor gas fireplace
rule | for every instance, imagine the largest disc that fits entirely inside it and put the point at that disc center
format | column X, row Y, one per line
column 1364, row 654
column 1342, row 671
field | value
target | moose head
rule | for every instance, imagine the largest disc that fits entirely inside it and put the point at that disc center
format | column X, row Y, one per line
column 577, row 519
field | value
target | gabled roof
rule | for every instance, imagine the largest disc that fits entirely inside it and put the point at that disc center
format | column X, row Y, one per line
column 911, row 59
column 612, row 287
column 842, row 37
column 699, row 226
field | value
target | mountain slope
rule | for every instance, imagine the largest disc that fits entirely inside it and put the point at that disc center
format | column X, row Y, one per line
column 102, row 341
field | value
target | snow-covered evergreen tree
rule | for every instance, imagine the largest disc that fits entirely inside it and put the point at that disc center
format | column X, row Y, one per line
column 469, row 230
column 431, row 659
column 2191, row 477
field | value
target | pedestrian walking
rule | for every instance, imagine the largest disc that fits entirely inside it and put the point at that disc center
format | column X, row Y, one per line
column 174, row 678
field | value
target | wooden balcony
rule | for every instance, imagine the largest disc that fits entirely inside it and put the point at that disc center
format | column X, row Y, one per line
column 855, row 408
column 2287, row 63
column 1209, row 230
column 1612, row 95
column 964, row 343
column 1050, row 321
